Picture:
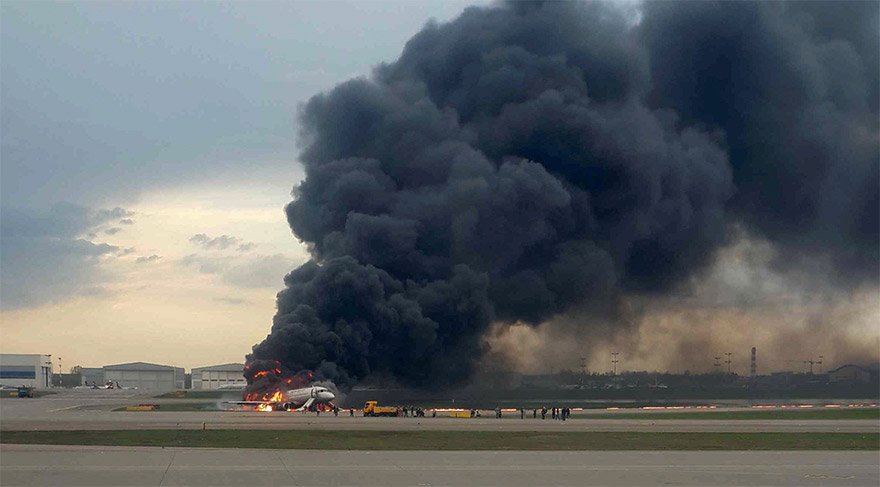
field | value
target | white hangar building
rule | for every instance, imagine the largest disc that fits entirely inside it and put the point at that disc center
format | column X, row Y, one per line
column 145, row 376
column 218, row 376
column 26, row 369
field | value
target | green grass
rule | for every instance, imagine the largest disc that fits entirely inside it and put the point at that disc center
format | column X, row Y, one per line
column 761, row 414
column 793, row 414
column 451, row 440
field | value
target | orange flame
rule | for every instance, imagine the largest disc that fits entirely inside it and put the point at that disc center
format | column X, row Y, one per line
column 269, row 405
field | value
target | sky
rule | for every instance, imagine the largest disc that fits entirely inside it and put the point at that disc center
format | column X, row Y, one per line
column 148, row 150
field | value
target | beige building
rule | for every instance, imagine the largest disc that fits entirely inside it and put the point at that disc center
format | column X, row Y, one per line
column 218, row 376
column 145, row 376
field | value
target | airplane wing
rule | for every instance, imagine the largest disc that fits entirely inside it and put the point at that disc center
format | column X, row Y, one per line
column 248, row 403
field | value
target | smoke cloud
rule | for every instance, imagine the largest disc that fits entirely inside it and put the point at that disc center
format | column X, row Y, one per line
column 531, row 161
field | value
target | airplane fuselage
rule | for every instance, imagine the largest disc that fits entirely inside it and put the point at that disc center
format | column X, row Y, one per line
column 296, row 398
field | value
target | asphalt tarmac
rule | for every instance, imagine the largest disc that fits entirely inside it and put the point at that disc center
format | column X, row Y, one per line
column 27, row 465
column 92, row 410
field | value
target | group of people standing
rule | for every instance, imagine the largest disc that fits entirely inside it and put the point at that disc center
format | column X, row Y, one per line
column 555, row 413
column 416, row 412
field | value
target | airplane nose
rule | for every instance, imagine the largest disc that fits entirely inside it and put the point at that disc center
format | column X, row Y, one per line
column 327, row 396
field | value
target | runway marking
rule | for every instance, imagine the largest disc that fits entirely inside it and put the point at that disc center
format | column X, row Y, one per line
column 173, row 454
column 64, row 409
column 827, row 476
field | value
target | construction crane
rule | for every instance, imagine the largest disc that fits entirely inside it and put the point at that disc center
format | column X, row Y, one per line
column 813, row 362
column 809, row 362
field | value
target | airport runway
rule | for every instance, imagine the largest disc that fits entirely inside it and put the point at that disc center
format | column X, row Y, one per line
column 293, row 421
column 27, row 465
column 94, row 412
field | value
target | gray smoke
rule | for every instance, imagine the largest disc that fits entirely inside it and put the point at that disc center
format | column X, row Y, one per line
column 531, row 160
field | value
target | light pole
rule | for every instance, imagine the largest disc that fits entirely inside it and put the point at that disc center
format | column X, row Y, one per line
column 728, row 360
column 583, row 369
column 614, row 361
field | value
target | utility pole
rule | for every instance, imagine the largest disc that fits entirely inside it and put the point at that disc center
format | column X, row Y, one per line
column 584, row 366
column 728, row 360
column 717, row 364
column 812, row 362
column 59, row 367
column 753, row 368
column 614, row 361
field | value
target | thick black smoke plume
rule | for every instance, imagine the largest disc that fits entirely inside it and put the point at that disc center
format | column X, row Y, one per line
column 531, row 159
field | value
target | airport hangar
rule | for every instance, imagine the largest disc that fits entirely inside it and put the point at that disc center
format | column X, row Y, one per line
column 35, row 370
column 145, row 376
column 26, row 369
column 217, row 376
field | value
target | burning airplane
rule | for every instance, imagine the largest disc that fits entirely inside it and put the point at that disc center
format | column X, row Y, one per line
column 291, row 400
column 271, row 389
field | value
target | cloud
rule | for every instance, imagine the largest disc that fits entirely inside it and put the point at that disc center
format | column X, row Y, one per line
column 245, row 247
column 205, row 265
column 222, row 242
column 233, row 301
column 113, row 214
column 261, row 271
column 45, row 256
column 148, row 259
column 112, row 230
column 126, row 221
column 258, row 271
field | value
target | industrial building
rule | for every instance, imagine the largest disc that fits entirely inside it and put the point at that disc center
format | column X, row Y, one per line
column 217, row 376
column 849, row 373
column 91, row 376
column 26, row 369
column 145, row 376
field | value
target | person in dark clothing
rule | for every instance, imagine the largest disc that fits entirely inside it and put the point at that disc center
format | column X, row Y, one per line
column 534, row 414
column 522, row 413
column 543, row 413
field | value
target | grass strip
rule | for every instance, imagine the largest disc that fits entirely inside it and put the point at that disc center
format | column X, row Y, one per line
column 789, row 414
column 450, row 440
column 761, row 414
